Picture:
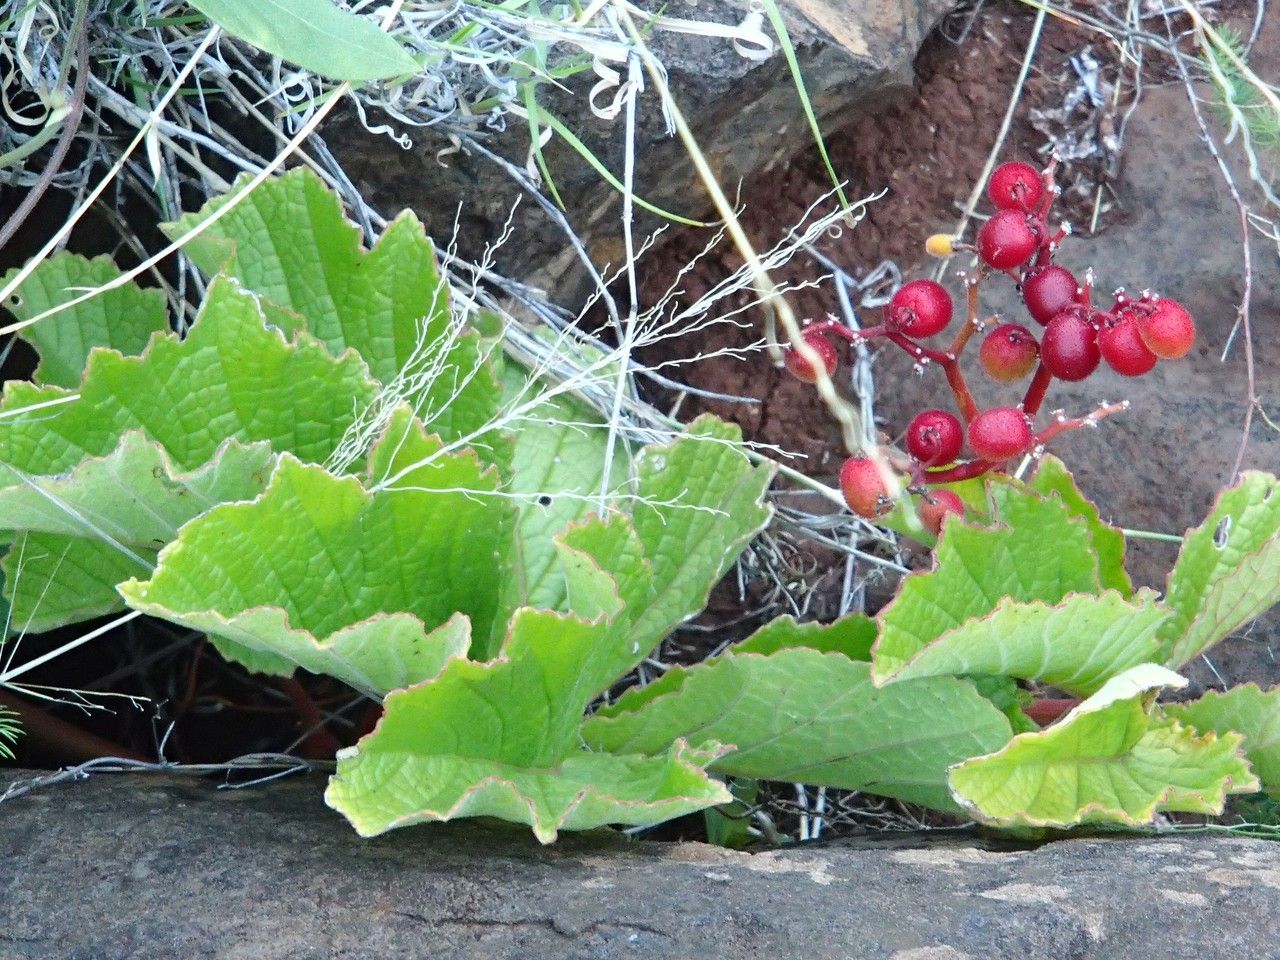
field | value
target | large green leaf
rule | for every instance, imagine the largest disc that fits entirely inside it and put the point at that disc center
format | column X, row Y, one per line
column 499, row 739
column 289, row 242
column 1228, row 570
column 1107, row 761
column 312, row 572
column 84, row 531
column 1077, row 644
column 1052, row 478
column 556, row 477
column 123, row 318
column 314, row 34
column 135, row 495
column 1246, row 710
column 502, row 738
column 52, row 580
column 231, row 378
column 802, row 715
column 698, row 503
column 1037, row 550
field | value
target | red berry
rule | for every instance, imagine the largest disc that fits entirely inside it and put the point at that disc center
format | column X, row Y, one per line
column 1015, row 186
column 935, row 437
column 1122, row 347
column 1009, row 353
column 1048, row 291
column 1168, row 330
column 800, row 367
column 863, row 488
column 1007, row 240
column 1069, row 347
column 1000, row 433
column 934, row 507
column 920, row 308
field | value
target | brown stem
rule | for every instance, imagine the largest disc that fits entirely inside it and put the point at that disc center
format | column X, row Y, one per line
column 57, row 740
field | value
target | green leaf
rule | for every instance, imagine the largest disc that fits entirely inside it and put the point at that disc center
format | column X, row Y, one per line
column 1036, row 551
column 1078, row 644
column 231, row 378
column 318, row 567
column 315, row 34
column 135, row 495
column 556, row 474
column 102, row 522
column 123, row 318
column 52, row 580
column 699, row 501
column 1052, row 477
column 851, row 635
column 1107, row 761
column 499, row 739
column 1247, row 710
column 290, row 242
column 1228, row 570
column 805, row 716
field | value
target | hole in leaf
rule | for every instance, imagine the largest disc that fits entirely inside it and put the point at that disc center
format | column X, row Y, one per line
column 1222, row 534
column 544, row 501
column 15, row 301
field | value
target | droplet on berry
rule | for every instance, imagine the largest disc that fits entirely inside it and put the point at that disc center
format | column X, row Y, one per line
column 935, row 437
column 1048, row 291
column 1000, row 433
column 1069, row 347
column 1007, row 240
column 1122, row 347
column 801, row 369
column 1015, row 186
column 863, row 488
column 1009, row 353
column 1168, row 330
column 920, row 308
column 935, row 506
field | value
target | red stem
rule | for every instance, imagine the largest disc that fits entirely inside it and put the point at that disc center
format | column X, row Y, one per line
column 320, row 744
column 1062, row 426
column 1045, row 712
column 963, row 471
column 1036, row 390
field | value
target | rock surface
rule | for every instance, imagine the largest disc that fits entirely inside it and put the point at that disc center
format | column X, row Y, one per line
column 745, row 114
column 159, row 867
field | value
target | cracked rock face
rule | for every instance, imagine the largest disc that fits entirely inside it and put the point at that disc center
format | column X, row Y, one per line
column 158, row 868
column 745, row 114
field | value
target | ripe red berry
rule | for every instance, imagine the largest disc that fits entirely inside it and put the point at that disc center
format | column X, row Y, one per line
column 934, row 507
column 935, row 437
column 1000, row 433
column 1015, row 186
column 1048, row 291
column 1069, row 347
column 920, row 308
column 1168, row 330
column 1122, row 347
column 863, row 488
column 1007, row 240
column 800, row 367
column 1009, row 353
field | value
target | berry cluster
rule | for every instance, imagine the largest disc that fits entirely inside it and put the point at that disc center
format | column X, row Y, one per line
column 1131, row 335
